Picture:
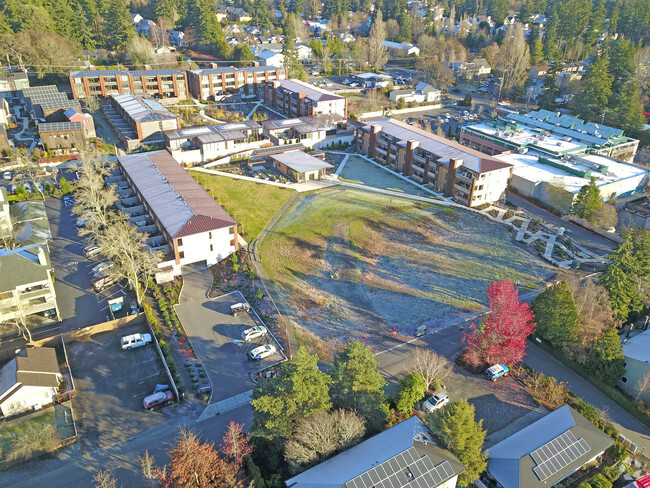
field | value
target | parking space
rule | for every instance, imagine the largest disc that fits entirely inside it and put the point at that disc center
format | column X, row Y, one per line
column 217, row 338
column 111, row 384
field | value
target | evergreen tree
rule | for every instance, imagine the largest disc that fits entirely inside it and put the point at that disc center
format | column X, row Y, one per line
column 260, row 15
column 464, row 436
column 622, row 65
column 606, row 360
column 596, row 23
column 556, row 314
column 5, row 26
column 596, row 90
column 551, row 50
column 499, row 10
column 550, row 90
column 413, row 388
column 244, row 54
column 291, row 59
column 619, row 279
column 82, row 28
column 587, row 201
column 220, row 46
column 626, row 109
column 296, row 7
column 298, row 391
column 536, row 46
column 118, row 29
column 204, row 21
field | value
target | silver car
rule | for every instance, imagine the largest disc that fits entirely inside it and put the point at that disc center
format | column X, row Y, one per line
column 262, row 352
column 254, row 333
column 435, row 402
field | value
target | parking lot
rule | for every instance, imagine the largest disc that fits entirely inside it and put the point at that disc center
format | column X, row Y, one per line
column 216, row 337
column 111, row 384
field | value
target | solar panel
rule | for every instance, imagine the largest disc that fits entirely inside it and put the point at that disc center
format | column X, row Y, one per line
column 558, row 454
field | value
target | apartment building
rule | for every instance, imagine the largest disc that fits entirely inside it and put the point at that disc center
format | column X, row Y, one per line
column 182, row 220
column 26, row 284
column 296, row 98
column 62, row 136
column 6, row 225
column 548, row 133
column 157, row 83
column 47, row 102
column 445, row 166
column 207, row 83
column 316, row 132
column 206, row 143
column 12, row 80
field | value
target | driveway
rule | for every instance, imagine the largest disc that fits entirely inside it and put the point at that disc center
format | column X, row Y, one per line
column 632, row 428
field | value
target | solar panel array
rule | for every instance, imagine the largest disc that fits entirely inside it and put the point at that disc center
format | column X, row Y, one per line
column 59, row 126
column 286, row 147
column 408, row 468
column 558, row 454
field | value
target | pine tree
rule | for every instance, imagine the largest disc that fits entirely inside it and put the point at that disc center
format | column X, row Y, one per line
column 463, row 436
column 626, row 109
column 536, row 46
column 596, row 90
column 596, row 23
column 556, row 314
column 551, row 50
column 618, row 278
column 81, row 28
column 260, row 16
column 606, row 360
column 118, row 29
column 244, row 54
column 587, row 201
column 220, row 46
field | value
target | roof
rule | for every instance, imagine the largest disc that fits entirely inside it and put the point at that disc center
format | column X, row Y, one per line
column 214, row 133
column 59, row 126
column 638, row 347
column 406, row 445
column 300, row 161
column 113, row 72
column 21, row 266
column 38, row 367
column 266, row 54
column 177, row 200
column 444, row 149
column 142, row 109
column 312, row 92
column 546, row 451
column 231, row 69
column 31, row 225
column 305, row 125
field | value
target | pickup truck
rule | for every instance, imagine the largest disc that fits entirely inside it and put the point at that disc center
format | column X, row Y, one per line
column 496, row 371
column 135, row 340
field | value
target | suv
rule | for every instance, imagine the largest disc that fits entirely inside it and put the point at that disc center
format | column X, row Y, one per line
column 238, row 308
column 253, row 333
column 496, row 371
column 91, row 249
column 157, row 399
column 434, row 402
column 135, row 340
column 262, row 352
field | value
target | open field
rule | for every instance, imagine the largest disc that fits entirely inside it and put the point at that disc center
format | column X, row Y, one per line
column 349, row 263
column 359, row 170
column 251, row 204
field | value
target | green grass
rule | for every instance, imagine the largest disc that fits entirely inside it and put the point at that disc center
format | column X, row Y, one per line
column 251, row 204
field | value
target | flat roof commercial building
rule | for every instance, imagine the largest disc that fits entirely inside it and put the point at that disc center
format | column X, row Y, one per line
column 157, row 83
column 471, row 177
column 300, row 166
column 296, row 98
column 211, row 82
column 548, row 133
column 185, row 222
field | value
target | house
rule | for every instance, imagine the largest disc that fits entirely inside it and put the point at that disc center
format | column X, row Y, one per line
column 12, row 80
column 347, row 37
column 538, row 72
column 404, row 455
column 26, row 283
column 547, row 451
column 430, row 94
column 47, row 102
column 401, row 49
column 238, row 15
column 296, row 98
column 177, row 38
column 62, row 137
column 422, row 93
column 146, row 28
column 270, row 58
column 211, row 82
column 137, row 18
column 182, row 220
column 157, row 83
column 470, row 70
column 86, row 120
column 470, row 177
column 221, row 13
column 304, row 52
column 636, row 351
column 300, row 166
column 30, row 223
column 29, row 381
column 373, row 80
column 312, row 131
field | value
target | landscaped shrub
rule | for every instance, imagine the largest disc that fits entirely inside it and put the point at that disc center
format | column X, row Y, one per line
column 611, row 473
column 412, row 390
column 599, row 481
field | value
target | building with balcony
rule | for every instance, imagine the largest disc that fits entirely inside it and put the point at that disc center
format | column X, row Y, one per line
column 26, row 284
column 316, row 132
column 208, row 83
column 181, row 219
column 6, row 224
column 550, row 134
column 206, row 143
column 470, row 177
column 168, row 84
column 296, row 98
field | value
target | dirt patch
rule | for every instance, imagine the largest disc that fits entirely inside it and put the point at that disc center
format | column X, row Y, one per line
column 352, row 264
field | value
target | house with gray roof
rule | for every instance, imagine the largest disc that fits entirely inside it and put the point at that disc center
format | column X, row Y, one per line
column 403, row 456
column 29, row 381
column 26, row 284
column 636, row 380
column 547, row 451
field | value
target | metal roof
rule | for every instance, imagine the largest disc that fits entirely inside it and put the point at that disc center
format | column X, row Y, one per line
column 312, row 92
column 142, row 109
column 305, row 125
column 21, row 266
column 219, row 132
column 177, row 200
column 59, row 126
column 638, row 347
column 300, row 161
column 115, row 72
column 232, row 69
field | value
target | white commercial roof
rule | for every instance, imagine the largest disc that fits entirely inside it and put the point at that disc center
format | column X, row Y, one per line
column 638, row 347
column 312, row 92
column 300, row 161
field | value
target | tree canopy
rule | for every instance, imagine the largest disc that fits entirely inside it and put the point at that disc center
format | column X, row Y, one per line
column 556, row 314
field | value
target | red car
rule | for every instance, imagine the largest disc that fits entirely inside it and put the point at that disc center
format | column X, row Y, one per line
column 157, row 399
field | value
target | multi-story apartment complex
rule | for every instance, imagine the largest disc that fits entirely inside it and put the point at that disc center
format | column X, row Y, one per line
column 316, row 132
column 204, row 143
column 12, row 80
column 181, row 218
column 208, row 83
column 550, row 134
column 26, row 284
column 157, row 83
column 445, row 166
column 296, row 98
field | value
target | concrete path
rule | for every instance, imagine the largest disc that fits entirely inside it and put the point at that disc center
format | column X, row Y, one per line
column 196, row 285
column 250, row 114
column 226, row 405
column 342, row 165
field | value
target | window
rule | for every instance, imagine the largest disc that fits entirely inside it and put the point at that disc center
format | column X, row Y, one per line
column 181, row 255
column 211, row 248
column 209, row 235
column 231, row 230
column 623, row 379
column 179, row 242
column 232, row 242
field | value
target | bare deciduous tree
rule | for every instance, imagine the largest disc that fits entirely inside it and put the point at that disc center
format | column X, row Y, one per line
column 430, row 366
column 513, row 59
column 642, row 385
column 150, row 472
column 34, row 439
column 104, row 479
column 605, row 216
column 377, row 52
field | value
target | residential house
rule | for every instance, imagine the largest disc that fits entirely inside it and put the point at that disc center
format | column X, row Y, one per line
column 26, row 283
column 177, row 38
column 402, row 49
column 29, row 381
column 547, row 451
column 300, row 166
column 11, row 81
column 402, row 456
column 208, row 83
column 47, row 102
column 221, row 13
column 182, row 220
column 422, row 93
column 445, row 166
column 270, row 58
column 470, row 70
column 146, row 28
column 312, row 131
column 304, row 52
column 236, row 14
column 538, row 72
column 636, row 380
column 62, row 137
column 296, row 98
column 86, row 120
column 137, row 18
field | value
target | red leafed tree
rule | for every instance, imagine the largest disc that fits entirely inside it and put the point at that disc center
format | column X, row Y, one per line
column 236, row 444
column 501, row 338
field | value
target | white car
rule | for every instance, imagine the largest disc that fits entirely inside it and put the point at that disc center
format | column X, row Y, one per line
column 103, row 266
column 7, row 175
column 262, row 352
column 254, row 333
column 135, row 340
column 435, row 402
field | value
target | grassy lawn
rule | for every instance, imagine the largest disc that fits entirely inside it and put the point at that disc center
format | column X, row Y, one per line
column 60, row 416
column 251, row 204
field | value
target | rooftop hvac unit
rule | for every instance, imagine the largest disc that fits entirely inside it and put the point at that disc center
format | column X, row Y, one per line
column 558, row 143
column 522, row 150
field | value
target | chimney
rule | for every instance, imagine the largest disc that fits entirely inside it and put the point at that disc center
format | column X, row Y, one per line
column 92, row 67
column 411, row 144
column 42, row 259
column 256, row 64
column 454, row 163
column 214, row 65
column 147, row 67
column 372, row 139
